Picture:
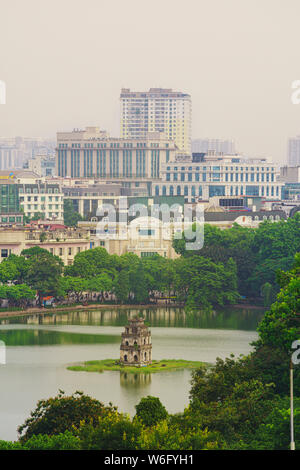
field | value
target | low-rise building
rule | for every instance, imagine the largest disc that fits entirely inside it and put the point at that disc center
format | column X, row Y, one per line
column 218, row 175
column 143, row 236
column 63, row 243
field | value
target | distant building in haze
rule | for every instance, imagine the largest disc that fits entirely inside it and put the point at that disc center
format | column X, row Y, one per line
column 227, row 147
column 157, row 110
column 294, row 151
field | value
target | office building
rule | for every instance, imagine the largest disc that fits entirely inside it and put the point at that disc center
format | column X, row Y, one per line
column 91, row 153
column 25, row 191
column 10, row 211
column 157, row 110
column 219, row 175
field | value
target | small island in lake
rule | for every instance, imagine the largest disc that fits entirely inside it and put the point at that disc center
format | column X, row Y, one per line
column 155, row 366
column 136, row 354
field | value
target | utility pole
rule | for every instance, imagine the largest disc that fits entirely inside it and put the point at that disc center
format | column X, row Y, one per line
column 292, row 404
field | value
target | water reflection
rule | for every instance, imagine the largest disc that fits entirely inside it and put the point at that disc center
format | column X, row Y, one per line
column 131, row 380
column 38, row 337
column 228, row 318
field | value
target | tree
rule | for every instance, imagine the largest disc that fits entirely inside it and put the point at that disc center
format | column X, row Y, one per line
column 203, row 283
column 113, row 431
column 100, row 284
column 150, row 411
column 72, row 286
column 92, row 262
column 267, row 294
column 43, row 237
column 19, row 295
column 8, row 271
column 280, row 325
column 274, row 432
column 165, row 436
column 21, row 264
column 44, row 274
column 229, row 399
column 122, row 286
column 139, row 283
column 71, row 217
column 57, row 415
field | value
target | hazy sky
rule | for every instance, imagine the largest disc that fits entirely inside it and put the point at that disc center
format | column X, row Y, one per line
column 65, row 61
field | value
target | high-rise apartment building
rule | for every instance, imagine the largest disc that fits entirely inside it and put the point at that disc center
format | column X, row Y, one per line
column 157, row 110
column 294, row 151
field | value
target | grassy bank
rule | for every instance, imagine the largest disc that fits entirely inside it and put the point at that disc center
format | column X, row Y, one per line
column 156, row 366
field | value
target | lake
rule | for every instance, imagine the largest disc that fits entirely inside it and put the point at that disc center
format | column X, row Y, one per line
column 40, row 347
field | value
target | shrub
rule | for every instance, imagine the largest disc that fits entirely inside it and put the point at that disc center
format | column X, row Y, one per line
column 151, row 411
column 57, row 415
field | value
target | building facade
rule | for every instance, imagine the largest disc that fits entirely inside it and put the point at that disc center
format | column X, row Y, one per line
column 63, row 243
column 40, row 196
column 10, row 212
column 136, row 344
column 43, row 165
column 157, row 110
column 294, row 151
column 142, row 236
column 90, row 153
column 218, row 176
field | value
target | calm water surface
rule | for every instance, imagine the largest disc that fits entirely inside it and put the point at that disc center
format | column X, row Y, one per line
column 40, row 347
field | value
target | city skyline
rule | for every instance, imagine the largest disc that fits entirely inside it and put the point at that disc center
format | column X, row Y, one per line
column 72, row 72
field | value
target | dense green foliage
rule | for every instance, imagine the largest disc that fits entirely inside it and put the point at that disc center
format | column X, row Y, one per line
column 195, row 281
column 71, row 217
column 151, row 411
column 258, row 253
column 57, row 415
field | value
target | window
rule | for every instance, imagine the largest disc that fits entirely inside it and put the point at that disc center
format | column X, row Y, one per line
column 252, row 190
column 4, row 253
column 145, row 254
column 146, row 232
column 216, row 191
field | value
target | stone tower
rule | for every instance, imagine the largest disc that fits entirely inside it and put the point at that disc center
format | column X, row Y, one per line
column 136, row 346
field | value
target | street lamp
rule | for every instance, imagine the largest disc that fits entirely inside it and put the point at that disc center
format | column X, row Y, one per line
column 292, row 404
